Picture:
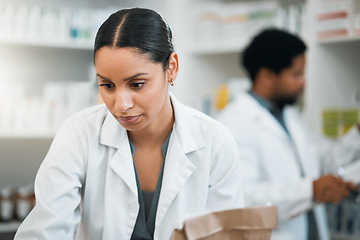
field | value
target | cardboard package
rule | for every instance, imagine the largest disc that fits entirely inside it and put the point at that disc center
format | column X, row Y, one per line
column 254, row 223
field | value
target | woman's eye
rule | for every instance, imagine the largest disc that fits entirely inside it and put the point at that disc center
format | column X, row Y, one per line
column 105, row 85
column 137, row 84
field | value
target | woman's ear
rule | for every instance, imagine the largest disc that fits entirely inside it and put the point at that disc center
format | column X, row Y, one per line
column 173, row 67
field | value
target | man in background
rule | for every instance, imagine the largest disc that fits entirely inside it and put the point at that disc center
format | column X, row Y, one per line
column 280, row 164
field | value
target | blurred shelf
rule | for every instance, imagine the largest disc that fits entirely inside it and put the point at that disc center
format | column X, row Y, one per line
column 339, row 39
column 338, row 236
column 26, row 136
column 61, row 44
column 214, row 49
column 9, row 226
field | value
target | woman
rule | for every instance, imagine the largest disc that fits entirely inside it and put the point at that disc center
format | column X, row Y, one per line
column 136, row 167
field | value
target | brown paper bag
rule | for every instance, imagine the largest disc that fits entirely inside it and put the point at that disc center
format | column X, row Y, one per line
column 255, row 223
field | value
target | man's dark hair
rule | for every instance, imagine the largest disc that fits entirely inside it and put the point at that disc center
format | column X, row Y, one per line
column 272, row 48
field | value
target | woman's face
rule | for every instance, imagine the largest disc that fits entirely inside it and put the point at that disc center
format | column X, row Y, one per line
column 134, row 89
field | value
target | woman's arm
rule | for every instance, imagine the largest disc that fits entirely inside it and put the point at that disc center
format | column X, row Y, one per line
column 58, row 186
column 226, row 188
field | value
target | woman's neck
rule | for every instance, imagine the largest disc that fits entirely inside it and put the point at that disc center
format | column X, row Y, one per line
column 157, row 131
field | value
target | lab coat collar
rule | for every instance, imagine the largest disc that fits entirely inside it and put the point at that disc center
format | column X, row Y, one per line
column 112, row 133
column 186, row 129
column 186, row 138
column 261, row 116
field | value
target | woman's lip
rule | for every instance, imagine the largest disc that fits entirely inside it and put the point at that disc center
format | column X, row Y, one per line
column 129, row 120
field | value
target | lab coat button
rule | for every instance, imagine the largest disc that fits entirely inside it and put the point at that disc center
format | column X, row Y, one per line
column 132, row 207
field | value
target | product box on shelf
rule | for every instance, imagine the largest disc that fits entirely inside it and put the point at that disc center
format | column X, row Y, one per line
column 356, row 18
column 206, row 25
column 337, row 18
column 229, row 26
column 356, row 22
column 337, row 122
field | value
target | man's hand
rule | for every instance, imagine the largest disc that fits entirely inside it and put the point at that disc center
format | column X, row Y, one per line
column 332, row 189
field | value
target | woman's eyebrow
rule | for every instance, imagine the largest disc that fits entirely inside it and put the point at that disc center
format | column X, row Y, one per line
column 126, row 79
column 104, row 78
column 135, row 76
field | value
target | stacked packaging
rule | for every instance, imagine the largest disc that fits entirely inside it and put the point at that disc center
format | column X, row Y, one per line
column 337, row 18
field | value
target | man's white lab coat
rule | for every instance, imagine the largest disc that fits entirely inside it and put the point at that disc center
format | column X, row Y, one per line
column 271, row 163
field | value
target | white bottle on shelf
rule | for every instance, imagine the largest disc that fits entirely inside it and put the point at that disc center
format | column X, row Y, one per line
column 9, row 23
column 34, row 22
column 24, row 201
column 21, row 22
column 64, row 24
column 6, row 205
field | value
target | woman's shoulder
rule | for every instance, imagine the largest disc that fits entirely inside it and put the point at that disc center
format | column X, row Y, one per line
column 89, row 118
column 202, row 117
column 193, row 123
column 207, row 124
column 90, row 113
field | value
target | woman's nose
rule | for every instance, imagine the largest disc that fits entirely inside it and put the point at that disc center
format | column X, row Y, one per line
column 123, row 102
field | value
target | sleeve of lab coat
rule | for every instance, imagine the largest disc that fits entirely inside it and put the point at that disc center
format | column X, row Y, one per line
column 289, row 196
column 339, row 153
column 58, row 186
column 225, row 177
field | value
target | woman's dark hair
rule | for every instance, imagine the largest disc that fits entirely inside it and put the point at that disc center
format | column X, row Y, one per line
column 272, row 48
column 141, row 28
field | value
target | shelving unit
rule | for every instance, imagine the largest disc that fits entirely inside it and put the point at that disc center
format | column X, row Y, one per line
column 343, row 237
column 221, row 49
column 51, row 63
column 340, row 40
column 28, row 136
column 332, row 73
column 32, row 63
column 9, row 226
column 55, row 44
column 202, row 69
column 35, row 62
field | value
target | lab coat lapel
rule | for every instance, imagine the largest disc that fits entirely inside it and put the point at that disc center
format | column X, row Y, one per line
column 269, row 124
column 185, row 138
column 302, row 142
column 178, row 168
column 115, row 136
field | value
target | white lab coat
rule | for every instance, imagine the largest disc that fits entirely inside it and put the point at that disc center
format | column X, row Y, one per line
column 87, row 185
column 270, row 170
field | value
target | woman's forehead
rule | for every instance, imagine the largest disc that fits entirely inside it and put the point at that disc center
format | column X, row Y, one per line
column 113, row 62
column 114, row 50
